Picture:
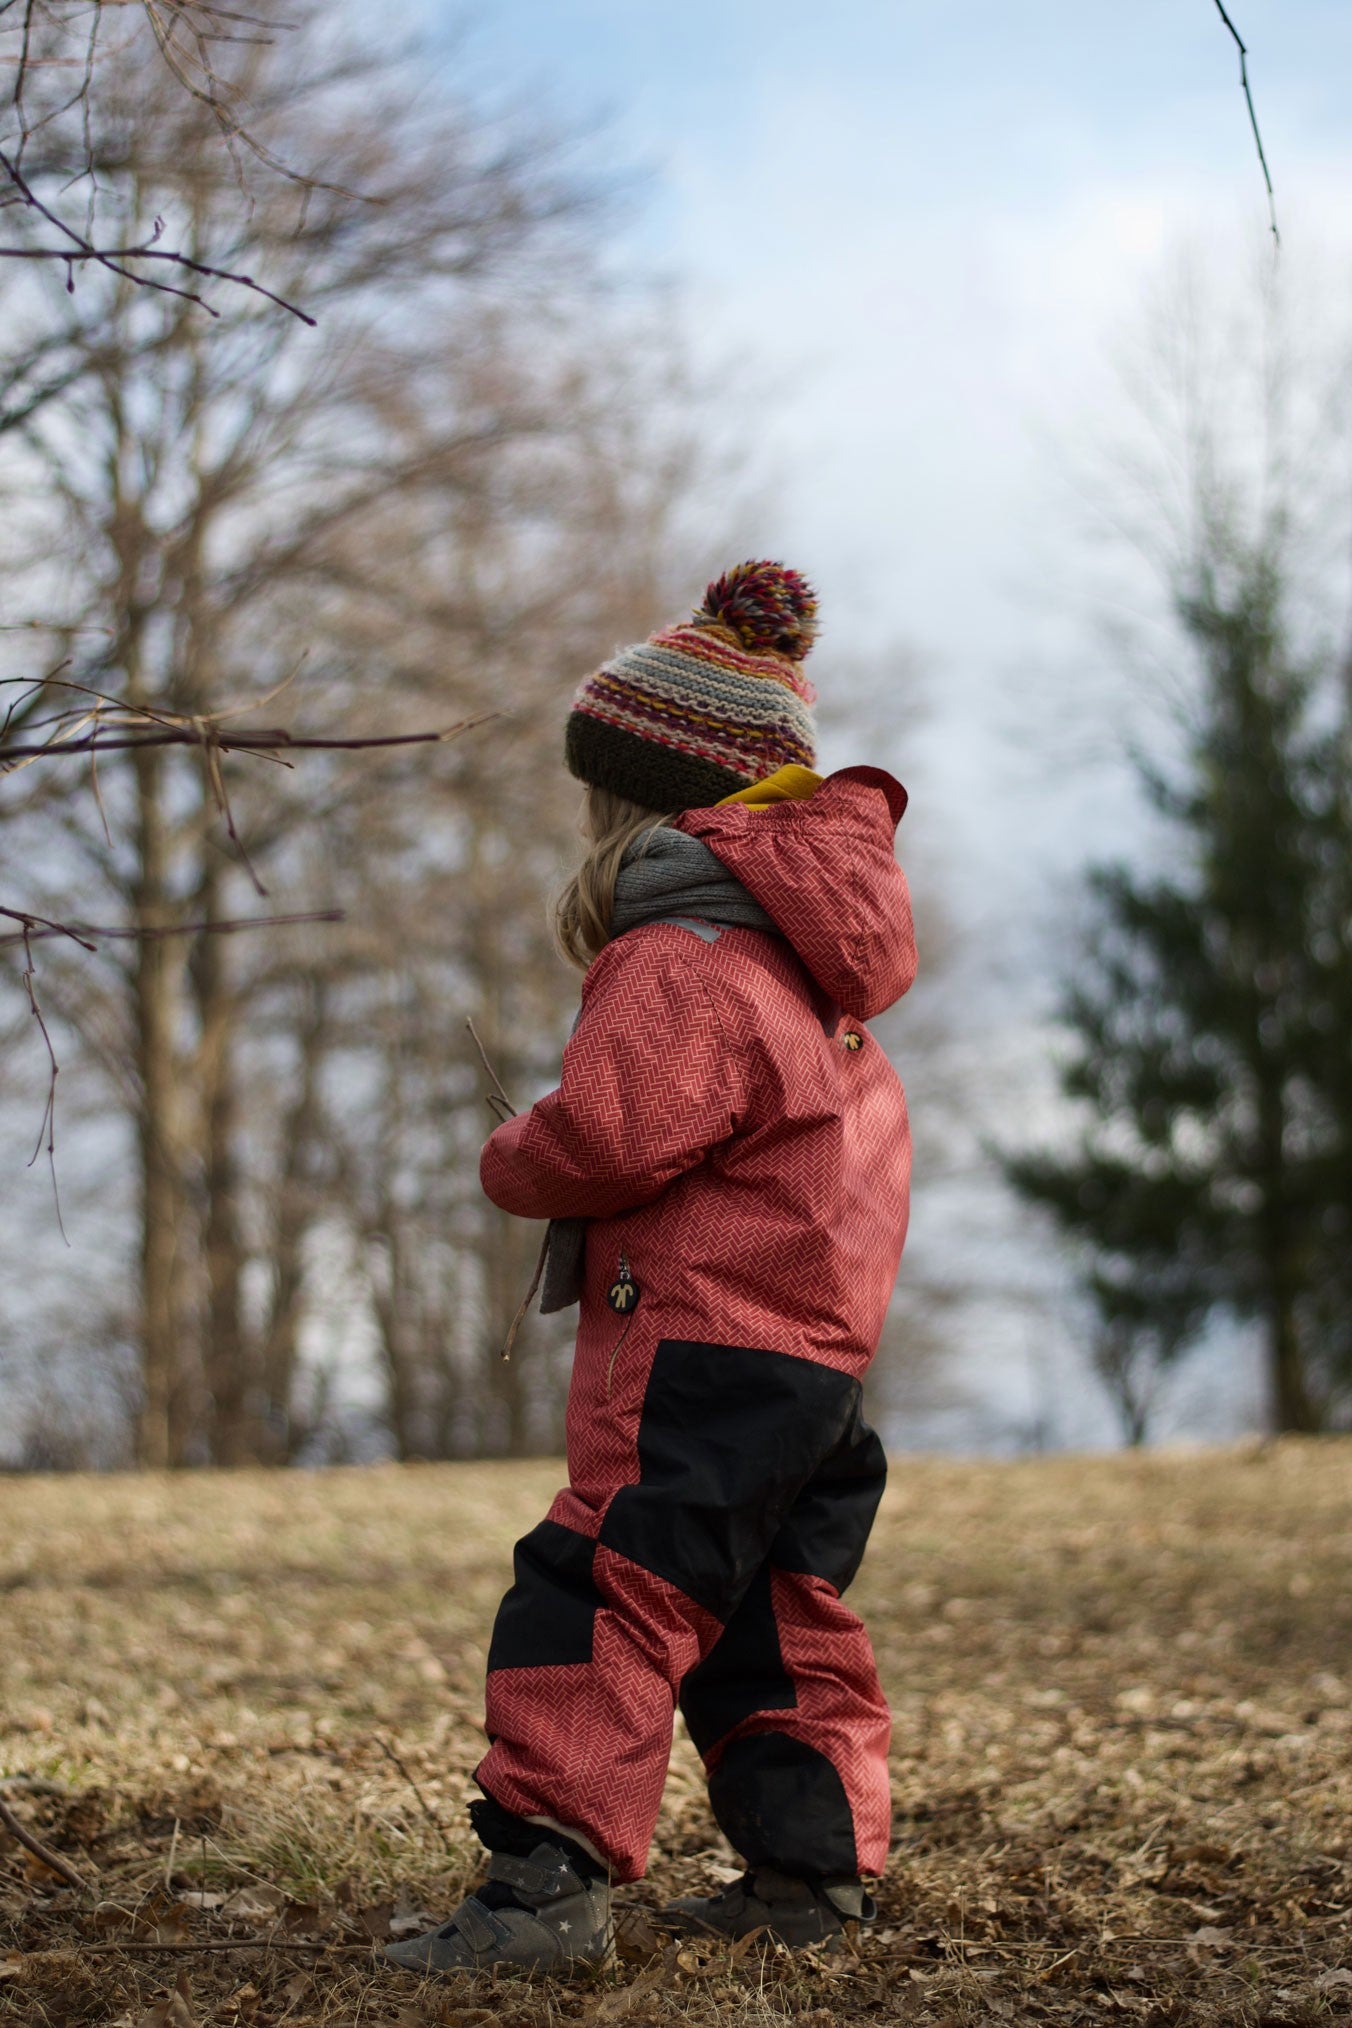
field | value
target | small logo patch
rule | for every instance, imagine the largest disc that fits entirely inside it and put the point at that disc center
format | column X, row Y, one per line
column 623, row 1293
column 852, row 1039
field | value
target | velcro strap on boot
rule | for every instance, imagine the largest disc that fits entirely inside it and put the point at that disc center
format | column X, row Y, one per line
column 545, row 1874
column 479, row 1926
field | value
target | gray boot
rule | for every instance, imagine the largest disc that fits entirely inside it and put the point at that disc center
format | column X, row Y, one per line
column 792, row 1911
column 536, row 1913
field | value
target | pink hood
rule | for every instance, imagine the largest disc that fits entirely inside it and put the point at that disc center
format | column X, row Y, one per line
column 824, row 870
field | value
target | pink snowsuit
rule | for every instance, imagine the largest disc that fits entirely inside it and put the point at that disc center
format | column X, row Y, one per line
column 740, row 1145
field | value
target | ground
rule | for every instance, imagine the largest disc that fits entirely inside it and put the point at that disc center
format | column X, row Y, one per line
column 246, row 1709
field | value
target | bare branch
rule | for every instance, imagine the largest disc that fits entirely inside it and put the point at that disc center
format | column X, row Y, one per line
column 47, row 1127
column 259, row 740
column 1253, row 118
column 61, row 1867
column 82, row 250
column 497, row 1097
column 89, row 934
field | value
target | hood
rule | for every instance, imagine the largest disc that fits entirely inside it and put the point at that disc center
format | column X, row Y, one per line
column 824, row 869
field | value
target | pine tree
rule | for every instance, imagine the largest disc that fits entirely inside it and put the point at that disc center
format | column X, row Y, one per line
column 1210, row 1021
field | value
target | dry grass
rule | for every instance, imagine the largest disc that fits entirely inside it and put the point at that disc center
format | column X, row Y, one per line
column 1123, row 1753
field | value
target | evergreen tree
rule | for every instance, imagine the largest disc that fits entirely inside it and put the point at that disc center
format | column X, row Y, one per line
column 1211, row 1026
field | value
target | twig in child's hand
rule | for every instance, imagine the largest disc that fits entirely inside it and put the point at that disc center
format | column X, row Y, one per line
column 529, row 1297
column 497, row 1097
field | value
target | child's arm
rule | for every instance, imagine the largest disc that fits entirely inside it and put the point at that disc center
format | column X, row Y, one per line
column 650, row 1083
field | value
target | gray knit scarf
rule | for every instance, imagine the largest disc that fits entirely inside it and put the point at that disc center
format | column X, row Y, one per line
column 664, row 873
column 664, row 877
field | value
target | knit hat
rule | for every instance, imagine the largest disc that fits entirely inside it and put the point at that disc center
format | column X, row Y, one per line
column 708, row 706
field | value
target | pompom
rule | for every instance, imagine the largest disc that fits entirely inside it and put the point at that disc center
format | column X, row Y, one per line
column 766, row 605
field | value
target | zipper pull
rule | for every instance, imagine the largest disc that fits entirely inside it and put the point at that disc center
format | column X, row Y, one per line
column 623, row 1293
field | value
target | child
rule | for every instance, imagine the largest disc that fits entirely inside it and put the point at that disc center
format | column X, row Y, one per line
column 738, row 1146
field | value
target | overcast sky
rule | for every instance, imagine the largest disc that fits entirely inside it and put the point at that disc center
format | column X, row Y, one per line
column 927, row 223
column 929, row 226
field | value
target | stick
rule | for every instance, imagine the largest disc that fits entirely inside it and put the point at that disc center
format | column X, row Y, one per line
column 241, row 1944
column 265, row 740
column 58, row 1865
column 497, row 1092
column 1253, row 118
column 80, row 250
column 82, row 933
column 529, row 1297
column 498, row 1097
column 423, row 1804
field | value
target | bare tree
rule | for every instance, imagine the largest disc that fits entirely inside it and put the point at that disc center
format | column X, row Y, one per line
column 53, row 57
column 193, row 474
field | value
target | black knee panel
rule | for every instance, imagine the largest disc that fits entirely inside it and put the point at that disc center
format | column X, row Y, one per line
column 781, row 1803
column 548, row 1616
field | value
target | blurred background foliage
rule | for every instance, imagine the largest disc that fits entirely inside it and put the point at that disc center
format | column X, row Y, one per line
column 498, row 454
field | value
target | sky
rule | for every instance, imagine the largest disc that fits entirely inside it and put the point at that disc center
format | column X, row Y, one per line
column 919, row 232
column 924, row 226
column 926, row 231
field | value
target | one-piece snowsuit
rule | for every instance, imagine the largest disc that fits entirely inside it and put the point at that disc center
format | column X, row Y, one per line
column 740, row 1144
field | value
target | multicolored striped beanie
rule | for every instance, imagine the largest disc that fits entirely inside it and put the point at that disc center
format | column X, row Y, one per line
column 708, row 706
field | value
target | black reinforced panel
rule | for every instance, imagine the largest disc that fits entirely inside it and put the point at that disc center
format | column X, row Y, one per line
column 742, row 1673
column 547, row 1617
column 827, row 1528
column 781, row 1803
column 727, row 1438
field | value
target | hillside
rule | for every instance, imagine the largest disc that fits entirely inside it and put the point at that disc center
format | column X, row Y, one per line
column 244, row 1707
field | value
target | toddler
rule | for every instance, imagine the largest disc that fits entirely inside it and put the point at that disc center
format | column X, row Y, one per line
column 726, row 1162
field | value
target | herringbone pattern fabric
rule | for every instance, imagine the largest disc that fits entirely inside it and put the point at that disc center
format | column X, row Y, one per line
column 741, row 1149
column 588, row 1745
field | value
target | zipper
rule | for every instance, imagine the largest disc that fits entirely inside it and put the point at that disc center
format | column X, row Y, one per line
column 610, row 1370
column 623, row 1298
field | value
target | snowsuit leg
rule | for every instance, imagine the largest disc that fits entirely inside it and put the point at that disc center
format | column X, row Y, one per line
column 786, row 1709
column 730, row 1457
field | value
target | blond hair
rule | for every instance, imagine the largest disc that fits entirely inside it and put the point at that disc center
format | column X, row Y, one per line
column 583, row 911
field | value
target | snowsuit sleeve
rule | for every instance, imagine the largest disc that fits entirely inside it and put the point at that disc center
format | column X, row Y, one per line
column 652, row 1080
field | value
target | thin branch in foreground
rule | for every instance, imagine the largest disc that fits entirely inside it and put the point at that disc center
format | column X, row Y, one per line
column 33, row 929
column 82, row 250
column 263, row 739
column 423, row 1804
column 89, row 934
column 59, row 1866
column 47, row 1126
column 1253, row 118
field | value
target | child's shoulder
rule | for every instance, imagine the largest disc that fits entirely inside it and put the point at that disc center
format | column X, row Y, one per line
column 660, row 953
column 683, row 962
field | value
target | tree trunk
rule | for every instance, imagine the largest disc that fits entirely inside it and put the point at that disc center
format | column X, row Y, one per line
column 1291, row 1407
column 165, row 1414
column 279, row 1353
column 401, row 1389
column 231, row 1430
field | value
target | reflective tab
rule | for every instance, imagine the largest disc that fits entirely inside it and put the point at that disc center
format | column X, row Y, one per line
column 542, row 1877
column 707, row 932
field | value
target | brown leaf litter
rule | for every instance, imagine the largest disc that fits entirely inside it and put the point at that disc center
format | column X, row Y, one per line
column 244, row 1709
